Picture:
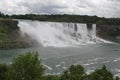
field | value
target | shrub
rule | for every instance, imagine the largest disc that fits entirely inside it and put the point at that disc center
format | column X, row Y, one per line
column 26, row 67
column 3, row 69
column 52, row 77
column 101, row 74
column 74, row 73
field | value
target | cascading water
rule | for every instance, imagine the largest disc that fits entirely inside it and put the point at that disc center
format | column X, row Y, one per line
column 59, row 34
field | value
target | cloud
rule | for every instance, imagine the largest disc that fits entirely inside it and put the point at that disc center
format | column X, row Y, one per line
column 102, row 8
column 12, row 7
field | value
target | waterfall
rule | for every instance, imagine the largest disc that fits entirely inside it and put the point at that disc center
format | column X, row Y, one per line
column 57, row 34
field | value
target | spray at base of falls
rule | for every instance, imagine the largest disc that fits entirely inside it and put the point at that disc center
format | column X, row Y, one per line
column 56, row 34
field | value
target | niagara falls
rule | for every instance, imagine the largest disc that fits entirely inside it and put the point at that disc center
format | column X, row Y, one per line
column 59, row 40
column 56, row 34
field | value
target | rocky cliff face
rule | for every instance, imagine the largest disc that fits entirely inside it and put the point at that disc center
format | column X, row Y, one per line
column 109, row 32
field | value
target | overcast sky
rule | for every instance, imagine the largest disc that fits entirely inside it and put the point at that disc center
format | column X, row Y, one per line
column 102, row 8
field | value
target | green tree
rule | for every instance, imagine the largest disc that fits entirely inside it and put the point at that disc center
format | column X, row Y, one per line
column 117, row 78
column 101, row 74
column 3, row 69
column 74, row 73
column 26, row 67
column 52, row 77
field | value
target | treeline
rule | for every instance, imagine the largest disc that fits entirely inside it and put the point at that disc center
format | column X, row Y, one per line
column 66, row 18
column 2, row 15
column 28, row 67
column 70, row 18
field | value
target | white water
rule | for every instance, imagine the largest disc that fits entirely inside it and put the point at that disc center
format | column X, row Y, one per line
column 59, row 34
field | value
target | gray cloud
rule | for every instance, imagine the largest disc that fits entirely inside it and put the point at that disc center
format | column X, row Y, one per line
column 102, row 8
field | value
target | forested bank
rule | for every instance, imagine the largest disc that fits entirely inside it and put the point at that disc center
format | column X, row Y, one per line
column 70, row 18
column 65, row 18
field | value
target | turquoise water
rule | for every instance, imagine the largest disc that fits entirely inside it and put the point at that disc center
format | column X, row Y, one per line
column 57, row 59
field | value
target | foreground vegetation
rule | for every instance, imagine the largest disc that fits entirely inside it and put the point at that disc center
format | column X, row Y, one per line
column 28, row 67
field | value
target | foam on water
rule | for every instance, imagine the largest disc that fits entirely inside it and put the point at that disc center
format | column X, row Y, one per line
column 59, row 34
column 48, row 67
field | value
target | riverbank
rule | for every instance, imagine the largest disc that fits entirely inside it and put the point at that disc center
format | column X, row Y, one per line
column 9, row 35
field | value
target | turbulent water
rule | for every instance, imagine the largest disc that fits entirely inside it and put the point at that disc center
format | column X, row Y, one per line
column 59, row 34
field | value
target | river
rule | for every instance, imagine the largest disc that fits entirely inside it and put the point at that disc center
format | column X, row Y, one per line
column 55, row 60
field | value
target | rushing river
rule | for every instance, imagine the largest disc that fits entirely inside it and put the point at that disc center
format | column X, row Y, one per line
column 56, row 60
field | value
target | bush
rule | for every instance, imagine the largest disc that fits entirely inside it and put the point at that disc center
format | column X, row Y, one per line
column 52, row 77
column 3, row 69
column 74, row 73
column 101, row 74
column 26, row 67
